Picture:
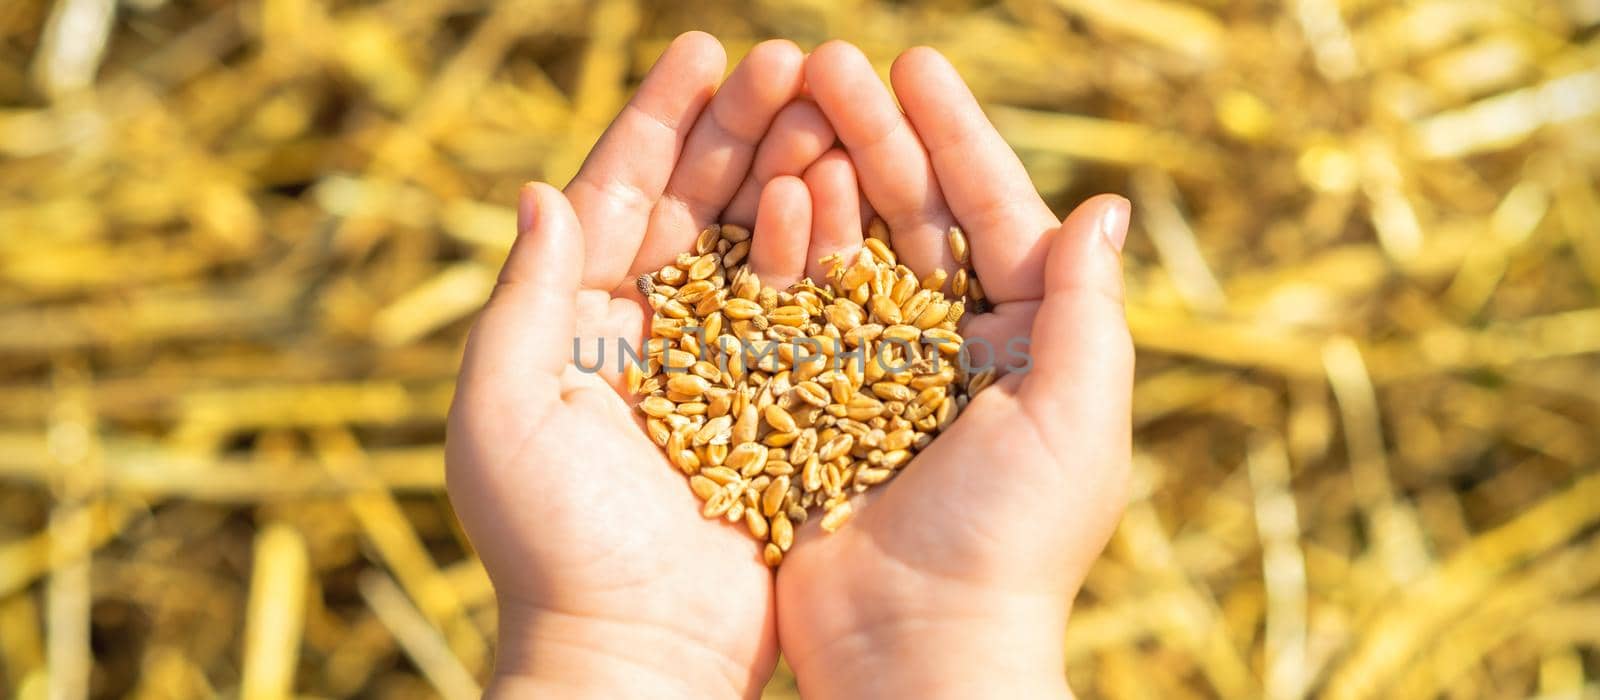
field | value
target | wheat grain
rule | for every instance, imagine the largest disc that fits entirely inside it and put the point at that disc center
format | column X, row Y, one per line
column 782, row 531
column 836, row 516
column 755, row 523
column 958, row 245
column 708, row 238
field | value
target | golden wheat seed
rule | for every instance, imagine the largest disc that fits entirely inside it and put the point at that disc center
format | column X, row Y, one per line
column 710, row 303
column 892, row 391
column 903, row 288
column 740, row 309
column 693, row 292
column 772, row 497
column 880, row 250
column 832, row 479
column 981, row 381
column 688, row 384
column 913, row 307
column 858, row 275
column 704, row 368
column 958, row 244
column 757, row 524
column 707, row 240
column 944, row 414
column 948, row 341
column 872, row 476
column 673, row 309
column 658, row 431
column 749, row 459
column 736, row 254
column 718, row 504
column 657, row 406
column 776, row 439
column 721, row 475
column 717, row 430
column 943, row 377
column 811, row 474
column 703, row 487
column 686, row 461
column 877, row 229
column 779, row 419
column 782, row 531
column 862, row 407
column 804, row 445
column 862, row 334
column 748, row 288
column 874, row 438
column 836, row 517
column 674, row 361
column 633, row 376
column 930, row 396
column 792, row 315
column 836, row 447
column 932, row 315
column 812, row 393
column 885, row 310
column 902, row 332
column 893, row 459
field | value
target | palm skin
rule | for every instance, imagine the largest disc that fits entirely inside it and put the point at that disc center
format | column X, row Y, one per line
column 610, row 583
column 956, row 580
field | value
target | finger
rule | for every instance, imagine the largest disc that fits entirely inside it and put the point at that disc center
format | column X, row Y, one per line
column 836, row 211
column 717, row 155
column 983, row 181
column 893, row 168
column 783, row 229
column 1080, row 343
column 799, row 136
column 625, row 174
column 523, row 336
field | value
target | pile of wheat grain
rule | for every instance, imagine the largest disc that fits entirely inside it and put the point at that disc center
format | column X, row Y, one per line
column 774, row 401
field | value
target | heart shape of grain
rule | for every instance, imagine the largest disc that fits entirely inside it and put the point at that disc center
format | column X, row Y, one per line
column 777, row 402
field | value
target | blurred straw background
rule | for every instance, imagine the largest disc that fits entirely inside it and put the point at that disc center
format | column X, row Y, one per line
column 240, row 243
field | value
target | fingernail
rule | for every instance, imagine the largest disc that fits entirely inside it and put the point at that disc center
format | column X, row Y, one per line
column 1113, row 223
column 525, row 207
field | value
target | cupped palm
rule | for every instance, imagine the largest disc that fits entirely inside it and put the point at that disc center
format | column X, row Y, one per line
column 596, row 548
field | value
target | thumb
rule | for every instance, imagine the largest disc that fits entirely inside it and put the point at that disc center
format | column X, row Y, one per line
column 523, row 337
column 1083, row 355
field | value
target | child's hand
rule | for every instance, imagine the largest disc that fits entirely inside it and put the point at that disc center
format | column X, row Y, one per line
column 610, row 583
column 955, row 580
